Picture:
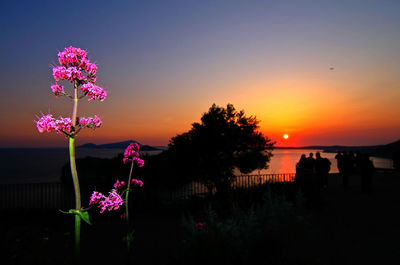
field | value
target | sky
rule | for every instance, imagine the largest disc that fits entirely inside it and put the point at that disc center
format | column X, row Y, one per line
column 324, row 72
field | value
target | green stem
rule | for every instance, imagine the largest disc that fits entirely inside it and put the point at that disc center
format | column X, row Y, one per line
column 74, row 173
column 128, row 242
column 77, row 194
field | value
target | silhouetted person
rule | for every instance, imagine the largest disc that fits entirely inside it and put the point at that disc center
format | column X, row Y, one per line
column 348, row 167
column 300, row 165
column 304, row 175
column 366, row 169
column 322, row 168
column 311, row 183
column 300, row 171
column 310, row 163
column 340, row 161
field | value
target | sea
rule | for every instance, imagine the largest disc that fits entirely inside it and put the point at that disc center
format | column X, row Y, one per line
column 43, row 165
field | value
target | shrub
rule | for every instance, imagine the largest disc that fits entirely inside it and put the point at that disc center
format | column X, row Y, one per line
column 244, row 236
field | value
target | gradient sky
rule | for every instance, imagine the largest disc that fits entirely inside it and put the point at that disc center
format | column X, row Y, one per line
column 164, row 63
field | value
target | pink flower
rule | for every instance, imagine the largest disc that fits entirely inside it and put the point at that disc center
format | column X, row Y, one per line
column 119, row 184
column 132, row 150
column 74, row 73
column 46, row 123
column 97, row 122
column 57, row 89
column 131, row 154
column 96, row 197
column 200, row 226
column 71, row 56
column 94, row 92
column 138, row 161
column 92, row 123
column 112, row 202
column 63, row 124
column 90, row 68
column 60, row 72
column 137, row 182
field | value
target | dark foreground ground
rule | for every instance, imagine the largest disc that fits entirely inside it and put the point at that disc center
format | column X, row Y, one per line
column 347, row 227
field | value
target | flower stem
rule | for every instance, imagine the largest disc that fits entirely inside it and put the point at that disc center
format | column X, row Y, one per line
column 128, row 241
column 77, row 194
column 74, row 173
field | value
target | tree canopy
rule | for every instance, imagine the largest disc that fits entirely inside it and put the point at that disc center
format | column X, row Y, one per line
column 224, row 140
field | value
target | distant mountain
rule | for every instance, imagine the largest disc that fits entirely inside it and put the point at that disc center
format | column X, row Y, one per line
column 387, row 150
column 120, row 145
column 374, row 150
column 333, row 148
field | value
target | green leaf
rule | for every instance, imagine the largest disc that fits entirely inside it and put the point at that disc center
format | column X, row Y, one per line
column 84, row 216
column 69, row 212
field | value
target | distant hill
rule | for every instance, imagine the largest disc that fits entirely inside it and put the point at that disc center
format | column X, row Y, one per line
column 387, row 150
column 374, row 150
column 120, row 145
column 333, row 148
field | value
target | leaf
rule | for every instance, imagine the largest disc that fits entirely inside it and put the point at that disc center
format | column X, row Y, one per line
column 69, row 212
column 84, row 216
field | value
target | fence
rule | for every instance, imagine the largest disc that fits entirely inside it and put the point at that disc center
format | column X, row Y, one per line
column 242, row 181
column 36, row 196
column 57, row 196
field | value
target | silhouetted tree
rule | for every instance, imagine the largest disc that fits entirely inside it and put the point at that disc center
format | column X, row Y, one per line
column 225, row 139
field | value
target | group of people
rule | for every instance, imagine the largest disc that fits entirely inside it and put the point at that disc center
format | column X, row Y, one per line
column 350, row 163
column 312, row 173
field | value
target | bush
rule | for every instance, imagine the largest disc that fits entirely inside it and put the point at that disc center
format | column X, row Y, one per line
column 244, row 236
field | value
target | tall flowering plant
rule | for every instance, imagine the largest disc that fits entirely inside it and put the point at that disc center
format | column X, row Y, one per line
column 75, row 68
column 114, row 199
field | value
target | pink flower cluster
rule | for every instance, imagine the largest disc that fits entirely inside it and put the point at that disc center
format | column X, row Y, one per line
column 76, row 57
column 200, row 226
column 57, row 89
column 137, row 182
column 71, row 73
column 131, row 154
column 76, row 67
column 118, row 184
column 48, row 123
column 112, row 202
column 89, row 122
column 94, row 92
column 71, row 56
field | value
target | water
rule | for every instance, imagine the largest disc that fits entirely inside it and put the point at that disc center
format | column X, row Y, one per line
column 284, row 161
column 33, row 165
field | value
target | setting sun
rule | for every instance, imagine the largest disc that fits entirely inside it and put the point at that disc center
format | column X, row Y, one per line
column 285, row 136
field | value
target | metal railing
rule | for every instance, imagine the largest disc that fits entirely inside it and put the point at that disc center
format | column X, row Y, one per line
column 57, row 196
column 242, row 181
column 35, row 196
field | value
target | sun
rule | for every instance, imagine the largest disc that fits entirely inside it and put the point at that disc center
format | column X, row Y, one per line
column 286, row 136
